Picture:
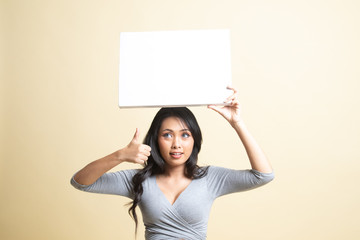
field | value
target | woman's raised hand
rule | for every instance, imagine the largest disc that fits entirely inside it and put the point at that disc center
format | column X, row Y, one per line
column 230, row 112
column 135, row 151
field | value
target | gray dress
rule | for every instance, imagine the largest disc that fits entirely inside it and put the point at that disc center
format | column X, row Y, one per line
column 188, row 217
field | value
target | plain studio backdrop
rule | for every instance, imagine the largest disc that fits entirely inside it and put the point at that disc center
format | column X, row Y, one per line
column 296, row 65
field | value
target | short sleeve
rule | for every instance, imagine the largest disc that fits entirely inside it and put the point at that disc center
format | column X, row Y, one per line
column 221, row 181
column 117, row 183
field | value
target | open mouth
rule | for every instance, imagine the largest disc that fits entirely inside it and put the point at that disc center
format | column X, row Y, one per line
column 176, row 154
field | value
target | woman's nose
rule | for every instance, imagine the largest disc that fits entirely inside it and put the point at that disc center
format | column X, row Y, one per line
column 176, row 143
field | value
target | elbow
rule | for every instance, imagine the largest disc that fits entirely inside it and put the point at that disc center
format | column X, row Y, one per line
column 263, row 177
column 266, row 177
column 270, row 176
column 77, row 185
column 74, row 183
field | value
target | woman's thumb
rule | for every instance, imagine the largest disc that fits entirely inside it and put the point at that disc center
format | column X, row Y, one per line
column 136, row 135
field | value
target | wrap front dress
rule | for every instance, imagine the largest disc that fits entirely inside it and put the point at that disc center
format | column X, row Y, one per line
column 187, row 217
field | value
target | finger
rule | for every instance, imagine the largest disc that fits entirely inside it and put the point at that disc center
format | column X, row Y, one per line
column 140, row 157
column 216, row 109
column 147, row 153
column 146, row 147
column 233, row 94
column 235, row 102
column 140, row 161
column 231, row 88
column 231, row 98
column 136, row 135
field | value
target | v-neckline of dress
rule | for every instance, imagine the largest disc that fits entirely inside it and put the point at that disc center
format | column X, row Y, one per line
column 164, row 196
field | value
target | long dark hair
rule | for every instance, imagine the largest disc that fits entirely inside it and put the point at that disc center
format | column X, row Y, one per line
column 156, row 164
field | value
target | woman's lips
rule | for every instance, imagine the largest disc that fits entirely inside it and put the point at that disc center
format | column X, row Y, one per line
column 176, row 155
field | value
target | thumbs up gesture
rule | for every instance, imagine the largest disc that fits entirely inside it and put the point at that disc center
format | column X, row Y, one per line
column 135, row 151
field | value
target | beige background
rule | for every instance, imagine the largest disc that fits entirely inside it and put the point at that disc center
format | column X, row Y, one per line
column 295, row 63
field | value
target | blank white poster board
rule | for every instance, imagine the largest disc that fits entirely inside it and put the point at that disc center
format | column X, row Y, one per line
column 174, row 68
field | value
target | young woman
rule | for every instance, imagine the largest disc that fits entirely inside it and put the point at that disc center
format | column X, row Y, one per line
column 175, row 194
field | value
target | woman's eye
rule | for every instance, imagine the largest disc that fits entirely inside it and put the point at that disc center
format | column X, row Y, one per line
column 185, row 135
column 167, row 135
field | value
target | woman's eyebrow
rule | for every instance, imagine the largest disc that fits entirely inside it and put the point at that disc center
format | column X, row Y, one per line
column 185, row 130
column 170, row 130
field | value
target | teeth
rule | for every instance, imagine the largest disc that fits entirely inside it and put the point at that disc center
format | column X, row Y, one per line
column 176, row 153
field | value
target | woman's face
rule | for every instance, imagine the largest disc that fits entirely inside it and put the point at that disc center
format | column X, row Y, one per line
column 175, row 142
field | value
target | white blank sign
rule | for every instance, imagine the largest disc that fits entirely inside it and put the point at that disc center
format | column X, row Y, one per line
column 174, row 68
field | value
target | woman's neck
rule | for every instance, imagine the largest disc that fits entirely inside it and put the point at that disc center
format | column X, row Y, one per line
column 174, row 172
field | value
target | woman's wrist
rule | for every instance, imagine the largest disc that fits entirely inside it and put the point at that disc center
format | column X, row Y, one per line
column 118, row 156
column 237, row 124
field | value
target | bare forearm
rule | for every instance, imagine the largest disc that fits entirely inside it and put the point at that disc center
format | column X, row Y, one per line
column 94, row 170
column 257, row 158
column 134, row 152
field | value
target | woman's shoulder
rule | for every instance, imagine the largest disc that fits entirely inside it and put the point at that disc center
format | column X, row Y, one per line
column 127, row 173
column 216, row 169
column 212, row 171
